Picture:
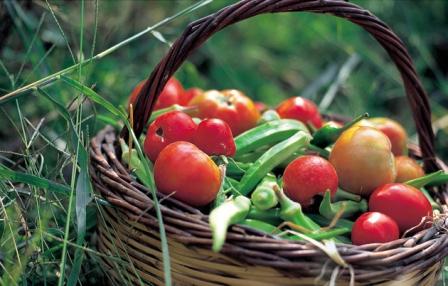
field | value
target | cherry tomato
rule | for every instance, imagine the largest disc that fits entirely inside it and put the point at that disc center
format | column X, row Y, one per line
column 232, row 106
column 394, row 131
column 166, row 129
column 363, row 160
column 374, row 227
column 190, row 94
column 172, row 93
column 308, row 176
column 407, row 169
column 404, row 204
column 214, row 137
column 187, row 173
column 301, row 109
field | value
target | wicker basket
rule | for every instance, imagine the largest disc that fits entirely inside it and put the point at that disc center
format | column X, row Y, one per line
column 129, row 229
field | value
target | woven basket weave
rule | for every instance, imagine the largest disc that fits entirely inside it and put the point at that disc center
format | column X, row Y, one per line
column 129, row 229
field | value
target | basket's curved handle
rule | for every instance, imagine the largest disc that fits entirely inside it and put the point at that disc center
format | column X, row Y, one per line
column 199, row 31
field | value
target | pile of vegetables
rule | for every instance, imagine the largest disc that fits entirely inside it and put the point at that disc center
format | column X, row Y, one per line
column 285, row 171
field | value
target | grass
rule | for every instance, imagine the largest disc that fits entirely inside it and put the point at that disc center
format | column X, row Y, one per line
column 66, row 70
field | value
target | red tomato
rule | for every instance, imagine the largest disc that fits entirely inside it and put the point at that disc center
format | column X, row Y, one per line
column 374, row 227
column 363, row 160
column 187, row 173
column 301, row 109
column 166, row 129
column 261, row 107
column 172, row 93
column 308, row 176
column 396, row 133
column 407, row 169
column 190, row 94
column 232, row 106
column 404, row 204
column 214, row 137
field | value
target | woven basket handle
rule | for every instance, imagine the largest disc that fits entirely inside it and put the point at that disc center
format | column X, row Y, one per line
column 199, row 31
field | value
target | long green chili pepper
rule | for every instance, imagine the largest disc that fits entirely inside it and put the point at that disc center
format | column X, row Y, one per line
column 264, row 197
column 433, row 203
column 261, row 225
column 292, row 211
column 348, row 208
column 230, row 212
column 271, row 216
column 433, row 179
column 268, row 115
column 324, row 222
column 268, row 133
column 272, row 158
column 329, row 133
column 236, row 169
column 130, row 157
column 250, row 157
column 344, row 195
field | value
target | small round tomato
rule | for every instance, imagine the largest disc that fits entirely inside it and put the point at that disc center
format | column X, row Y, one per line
column 363, row 160
column 166, row 129
column 190, row 94
column 308, row 176
column 187, row 173
column 301, row 109
column 232, row 106
column 404, row 204
column 134, row 93
column 407, row 169
column 214, row 137
column 394, row 131
column 374, row 227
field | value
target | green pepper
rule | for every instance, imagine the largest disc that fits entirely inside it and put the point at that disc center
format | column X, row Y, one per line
column 264, row 197
column 271, row 216
column 271, row 159
column 292, row 211
column 266, row 134
column 344, row 195
column 260, row 225
column 332, row 233
column 236, row 169
column 230, row 212
column 131, row 158
column 348, row 208
column 329, row 133
column 324, row 222
column 433, row 179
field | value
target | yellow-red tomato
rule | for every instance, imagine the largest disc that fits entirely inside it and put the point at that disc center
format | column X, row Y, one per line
column 374, row 227
column 393, row 130
column 363, row 160
column 301, row 109
column 187, row 173
column 190, row 94
column 407, row 169
column 231, row 105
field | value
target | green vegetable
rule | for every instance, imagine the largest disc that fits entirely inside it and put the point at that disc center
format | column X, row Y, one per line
column 348, row 208
column 221, row 195
column 324, row 222
column 268, row 115
column 329, row 133
column 264, row 196
column 230, row 212
column 292, row 211
column 271, row 216
column 344, row 195
column 236, row 169
column 268, row 133
column 433, row 203
column 175, row 107
column 130, row 157
column 433, row 179
column 323, row 235
column 261, row 225
column 272, row 158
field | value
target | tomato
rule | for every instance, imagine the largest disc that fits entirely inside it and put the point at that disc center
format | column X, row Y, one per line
column 232, row 106
column 308, row 176
column 214, row 137
column 407, row 169
column 187, row 173
column 404, row 204
column 260, row 106
column 363, row 160
column 394, row 131
column 374, row 227
column 166, row 129
column 189, row 94
column 172, row 93
column 301, row 109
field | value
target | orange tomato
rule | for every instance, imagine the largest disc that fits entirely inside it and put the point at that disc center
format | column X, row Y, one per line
column 407, row 169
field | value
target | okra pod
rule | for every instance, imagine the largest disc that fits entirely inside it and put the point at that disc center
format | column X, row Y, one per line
column 264, row 197
column 271, row 159
column 230, row 212
column 271, row 216
column 260, row 225
column 268, row 133
column 348, row 208
column 268, row 115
